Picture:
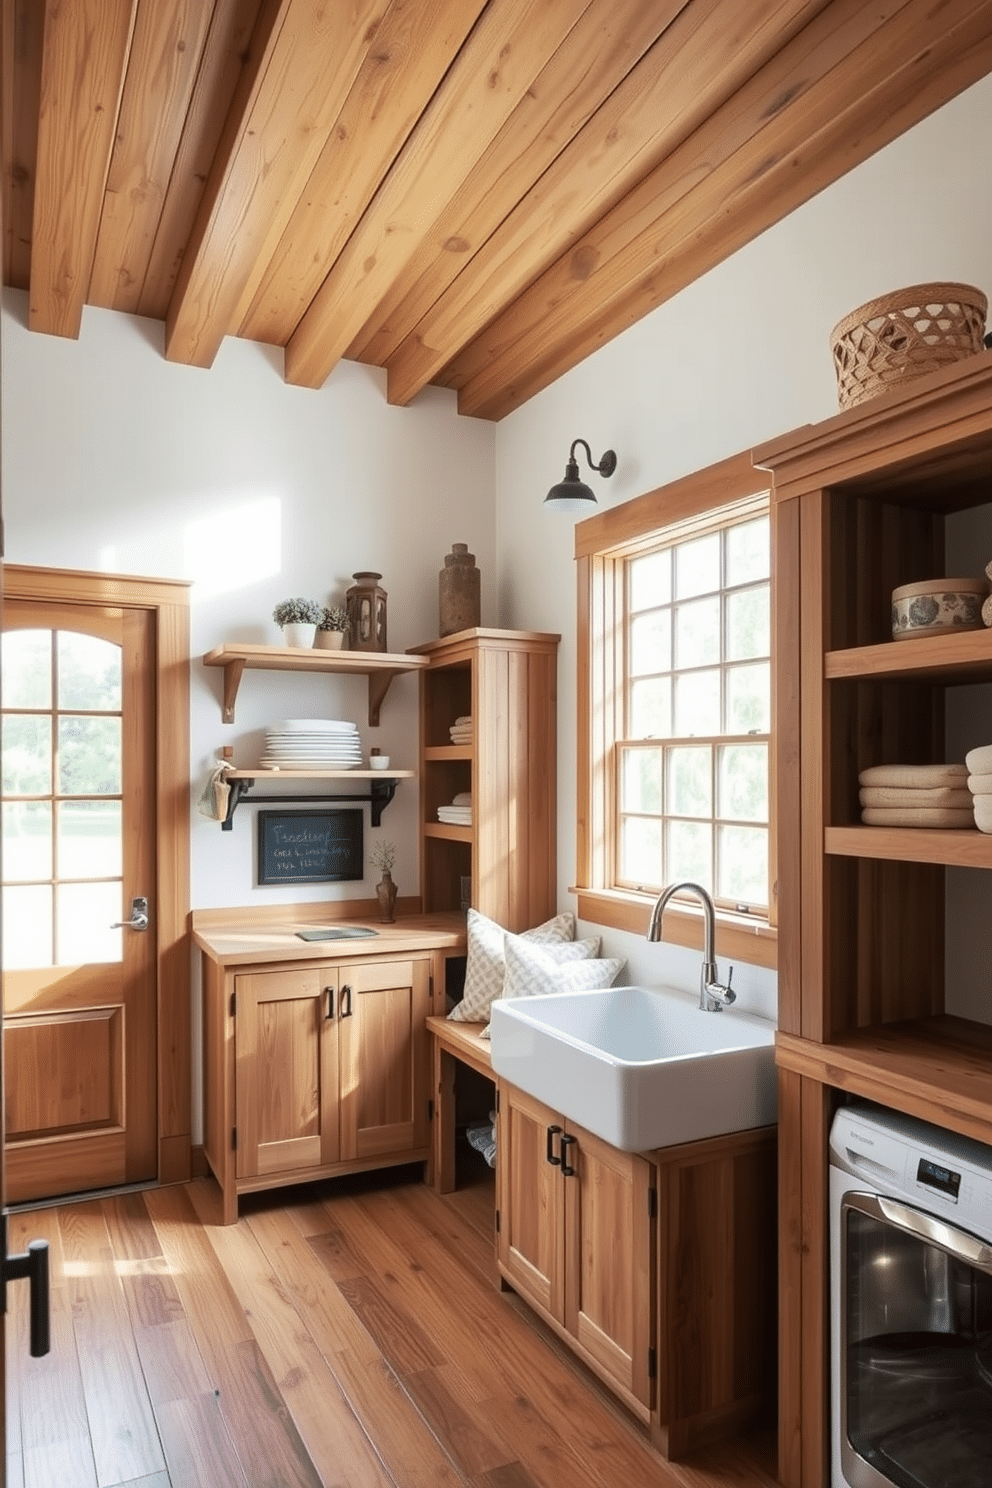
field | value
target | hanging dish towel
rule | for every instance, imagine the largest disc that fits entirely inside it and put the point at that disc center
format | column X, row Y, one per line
column 216, row 793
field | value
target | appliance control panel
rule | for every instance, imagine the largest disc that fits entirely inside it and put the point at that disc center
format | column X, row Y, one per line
column 916, row 1162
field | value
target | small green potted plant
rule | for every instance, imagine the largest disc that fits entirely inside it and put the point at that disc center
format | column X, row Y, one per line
column 298, row 620
column 331, row 628
column 382, row 857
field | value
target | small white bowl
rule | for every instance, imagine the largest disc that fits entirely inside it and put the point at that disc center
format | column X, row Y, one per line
column 938, row 607
column 378, row 761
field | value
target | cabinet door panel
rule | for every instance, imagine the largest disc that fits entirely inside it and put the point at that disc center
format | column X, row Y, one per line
column 609, row 1306
column 384, row 1078
column 529, row 1198
column 286, row 1072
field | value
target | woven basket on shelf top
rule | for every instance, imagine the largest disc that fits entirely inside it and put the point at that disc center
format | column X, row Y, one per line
column 905, row 334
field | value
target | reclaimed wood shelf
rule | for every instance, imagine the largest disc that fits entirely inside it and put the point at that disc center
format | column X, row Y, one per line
column 953, row 659
column 938, row 1068
column 379, row 667
column 382, row 788
column 448, row 831
column 965, row 848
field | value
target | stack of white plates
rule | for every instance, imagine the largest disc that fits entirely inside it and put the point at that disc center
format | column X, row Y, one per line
column 311, row 744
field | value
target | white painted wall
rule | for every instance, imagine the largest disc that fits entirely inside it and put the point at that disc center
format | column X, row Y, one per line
column 117, row 460
column 737, row 358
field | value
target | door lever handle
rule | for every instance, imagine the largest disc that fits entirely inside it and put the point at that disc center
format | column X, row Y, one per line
column 32, row 1263
column 139, row 916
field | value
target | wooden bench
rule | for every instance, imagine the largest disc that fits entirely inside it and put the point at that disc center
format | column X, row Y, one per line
column 451, row 1044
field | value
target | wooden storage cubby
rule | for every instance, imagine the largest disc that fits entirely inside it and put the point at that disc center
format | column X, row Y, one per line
column 506, row 681
column 860, row 507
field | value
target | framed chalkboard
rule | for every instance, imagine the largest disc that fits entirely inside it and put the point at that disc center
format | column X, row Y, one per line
column 309, row 846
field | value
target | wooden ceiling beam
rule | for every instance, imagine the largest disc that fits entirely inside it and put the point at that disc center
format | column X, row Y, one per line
column 309, row 54
column 221, row 70
column 414, row 47
column 596, row 56
column 86, row 47
column 707, row 53
column 20, row 89
column 849, row 84
column 165, row 56
column 511, row 43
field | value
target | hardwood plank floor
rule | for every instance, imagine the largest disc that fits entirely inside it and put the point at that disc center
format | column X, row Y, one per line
column 344, row 1335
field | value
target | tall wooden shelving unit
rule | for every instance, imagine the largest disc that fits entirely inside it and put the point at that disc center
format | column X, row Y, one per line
column 860, row 504
column 506, row 681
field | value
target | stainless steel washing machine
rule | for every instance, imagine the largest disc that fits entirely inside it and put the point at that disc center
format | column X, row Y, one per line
column 911, row 1304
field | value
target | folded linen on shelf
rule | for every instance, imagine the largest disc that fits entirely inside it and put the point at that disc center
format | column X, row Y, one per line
column 916, row 777
column 979, row 761
column 980, row 785
column 983, row 813
column 463, row 798
column 920, row 816
column 455, row 816
column 941, row 795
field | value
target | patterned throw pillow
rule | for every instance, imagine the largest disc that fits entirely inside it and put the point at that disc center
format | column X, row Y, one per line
column 530, row 972
column 485, row 964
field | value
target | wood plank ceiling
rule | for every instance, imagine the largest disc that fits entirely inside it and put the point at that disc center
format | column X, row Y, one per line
column 473, row 193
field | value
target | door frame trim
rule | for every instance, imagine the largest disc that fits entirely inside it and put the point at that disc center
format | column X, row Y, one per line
column 168, row 601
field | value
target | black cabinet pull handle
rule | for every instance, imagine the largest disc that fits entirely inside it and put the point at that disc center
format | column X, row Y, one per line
column 567, row 1171
column 346, row 1006
column 330, row 1001
column 32, row 1264
column 553, row 1131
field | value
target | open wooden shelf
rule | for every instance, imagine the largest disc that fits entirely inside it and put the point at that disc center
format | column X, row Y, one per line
column 379, row 667
column 448, row 832
column 941, row 659
column 436, row 753
column 939, row 1068
column 967, row 848
column 277, row 775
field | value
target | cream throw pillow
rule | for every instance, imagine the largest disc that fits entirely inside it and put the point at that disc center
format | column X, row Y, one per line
column 485, row 965
column 532, row 970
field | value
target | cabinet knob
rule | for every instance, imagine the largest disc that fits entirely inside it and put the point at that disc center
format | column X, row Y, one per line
column 330, row 1002
column 553, row 1131
column 567, row 1171
column 346, row 1008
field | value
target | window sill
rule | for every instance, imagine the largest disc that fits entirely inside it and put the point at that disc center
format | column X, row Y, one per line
column 738, row 938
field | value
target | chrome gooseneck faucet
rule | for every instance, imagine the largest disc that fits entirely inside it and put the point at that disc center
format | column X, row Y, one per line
column 713, row 995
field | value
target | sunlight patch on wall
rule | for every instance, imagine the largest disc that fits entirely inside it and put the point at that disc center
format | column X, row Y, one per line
column 233, row 548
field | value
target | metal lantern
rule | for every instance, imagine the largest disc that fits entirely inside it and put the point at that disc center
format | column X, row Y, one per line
column 366, row 602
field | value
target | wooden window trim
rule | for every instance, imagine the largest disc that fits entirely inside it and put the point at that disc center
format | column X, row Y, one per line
column 602, row 545
column 168, row 600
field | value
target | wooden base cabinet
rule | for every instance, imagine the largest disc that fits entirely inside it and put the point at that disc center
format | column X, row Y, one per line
column 315, row 1069
column 575, row 1237
column 658, row 1269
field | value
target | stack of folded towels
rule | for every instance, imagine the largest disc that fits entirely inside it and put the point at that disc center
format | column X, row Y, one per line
column 459, row 813
column 461, row 730
column 916, row 796
column 979, row 763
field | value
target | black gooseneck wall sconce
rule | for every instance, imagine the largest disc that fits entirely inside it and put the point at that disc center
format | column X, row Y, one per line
column 571, row 493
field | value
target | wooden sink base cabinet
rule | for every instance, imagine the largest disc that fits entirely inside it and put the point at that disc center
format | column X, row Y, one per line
column 657, row 1269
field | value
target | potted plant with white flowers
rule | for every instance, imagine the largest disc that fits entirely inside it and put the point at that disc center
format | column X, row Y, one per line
column 298, row 620
column 331, row 628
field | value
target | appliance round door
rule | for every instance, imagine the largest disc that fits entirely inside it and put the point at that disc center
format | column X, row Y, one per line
column 915, row 1345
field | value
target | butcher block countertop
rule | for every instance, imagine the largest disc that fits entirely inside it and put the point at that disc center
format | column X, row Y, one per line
column 246, row 938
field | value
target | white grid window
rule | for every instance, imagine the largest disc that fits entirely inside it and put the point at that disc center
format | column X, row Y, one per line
column 692, row 771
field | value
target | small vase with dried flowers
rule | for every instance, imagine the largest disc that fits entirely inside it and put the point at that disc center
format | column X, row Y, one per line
column 382, row 857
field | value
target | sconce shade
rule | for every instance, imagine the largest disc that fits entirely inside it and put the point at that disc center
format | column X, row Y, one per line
column 571, row 493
